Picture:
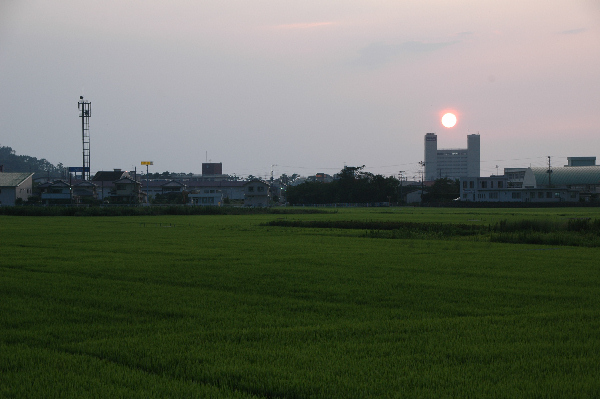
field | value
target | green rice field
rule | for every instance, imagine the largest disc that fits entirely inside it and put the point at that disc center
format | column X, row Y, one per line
column 236, row 306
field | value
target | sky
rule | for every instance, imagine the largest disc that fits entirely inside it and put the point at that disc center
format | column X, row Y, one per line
column 299, row 87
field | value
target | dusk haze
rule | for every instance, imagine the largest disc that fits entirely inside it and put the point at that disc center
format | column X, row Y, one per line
column 299, row 87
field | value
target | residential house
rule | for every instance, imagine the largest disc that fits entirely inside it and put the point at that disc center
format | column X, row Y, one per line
column 15, row 186
column 84, row 191
column 104, row 181
column 56, row 192
column 127, row 191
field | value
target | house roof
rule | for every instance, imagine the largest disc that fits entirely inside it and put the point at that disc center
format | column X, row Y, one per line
column 173, row 183
column 126, row 180
column 13, row 179
column 568, row 175
column 84, row 184
column 191, row 184
column 60, row 183
column 109, row 175
column 255, row 181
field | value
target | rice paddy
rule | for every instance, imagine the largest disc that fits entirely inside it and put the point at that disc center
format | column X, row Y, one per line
column 237, row 306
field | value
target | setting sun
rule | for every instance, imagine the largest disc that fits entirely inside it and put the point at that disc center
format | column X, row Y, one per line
column 449, row 120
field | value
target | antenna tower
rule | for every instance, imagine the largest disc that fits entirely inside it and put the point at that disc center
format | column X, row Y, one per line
column 85, row 111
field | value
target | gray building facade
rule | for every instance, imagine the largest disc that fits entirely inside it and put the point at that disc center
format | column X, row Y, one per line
column 452, row 163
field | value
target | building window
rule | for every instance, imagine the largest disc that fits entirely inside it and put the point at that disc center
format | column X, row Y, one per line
column 540, row 195
column 556, row 195
column 516, row 195
column 251, row 189
column 471, row 184
column 465, row 184
column 494, row 195
column 548, row 194
column 260, row 189
column 532, row 194
column 573, row 195
column 500, row 184
column 492, row 184
column 484, row 184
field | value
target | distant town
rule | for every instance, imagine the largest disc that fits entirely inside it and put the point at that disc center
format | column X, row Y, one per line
column 449, row 176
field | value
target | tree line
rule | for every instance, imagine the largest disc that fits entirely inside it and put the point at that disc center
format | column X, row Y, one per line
column 354, row 185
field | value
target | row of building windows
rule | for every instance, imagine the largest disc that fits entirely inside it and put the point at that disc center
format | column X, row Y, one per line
column 517, row 195
column 260, row 189
column 204, row 200
column 483, row 184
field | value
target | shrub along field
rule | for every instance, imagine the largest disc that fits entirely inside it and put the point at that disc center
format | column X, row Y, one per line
column 228, row 306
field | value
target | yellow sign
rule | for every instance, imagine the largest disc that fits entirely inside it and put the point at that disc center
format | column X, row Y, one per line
column 147, row 163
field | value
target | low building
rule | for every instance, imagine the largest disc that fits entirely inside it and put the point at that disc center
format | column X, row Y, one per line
column 84, row 191
column 256, row 194
column 56, row 192
column 104, row 181
column 127, row 191
column 561, row 184
column 231, row 190
column 15, row 186
column 214, row 198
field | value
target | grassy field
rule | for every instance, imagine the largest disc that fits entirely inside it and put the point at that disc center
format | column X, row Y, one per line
column 228, row 307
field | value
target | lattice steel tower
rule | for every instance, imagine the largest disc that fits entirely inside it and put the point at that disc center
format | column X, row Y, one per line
column 85, row 111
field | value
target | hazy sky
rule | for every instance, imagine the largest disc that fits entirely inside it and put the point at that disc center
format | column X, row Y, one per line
column 307, row 86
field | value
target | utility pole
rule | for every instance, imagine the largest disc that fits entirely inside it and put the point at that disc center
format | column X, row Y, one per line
column 549, row 171
column 401, row 175
column 422, row 163
column 147, row 163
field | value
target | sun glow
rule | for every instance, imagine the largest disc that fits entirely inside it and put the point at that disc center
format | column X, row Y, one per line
column 449, row 120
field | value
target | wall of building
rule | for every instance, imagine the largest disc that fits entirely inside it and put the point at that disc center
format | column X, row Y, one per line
column 212, row 169
column 451, row 163
column 431, row 166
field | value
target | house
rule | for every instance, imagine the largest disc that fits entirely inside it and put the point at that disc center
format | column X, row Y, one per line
column 15, row 186
column 104, row 181
column 256, row 194
column 56, row 192
column 84, row 191
column 127, row 191
column 173, row 187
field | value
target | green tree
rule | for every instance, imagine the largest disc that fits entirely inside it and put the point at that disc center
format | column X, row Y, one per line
column 443, row 190
column 353, row 185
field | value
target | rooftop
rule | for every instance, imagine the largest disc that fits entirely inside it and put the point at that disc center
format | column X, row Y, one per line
column 571, row 175
column 13, row 179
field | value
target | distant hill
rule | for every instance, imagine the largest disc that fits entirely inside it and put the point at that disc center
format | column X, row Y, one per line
column 24, row 163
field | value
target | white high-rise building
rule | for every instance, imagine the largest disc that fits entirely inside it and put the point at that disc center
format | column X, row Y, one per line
column 452, row 163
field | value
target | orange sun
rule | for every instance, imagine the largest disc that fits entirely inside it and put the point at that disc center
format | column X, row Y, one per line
column 449, row 120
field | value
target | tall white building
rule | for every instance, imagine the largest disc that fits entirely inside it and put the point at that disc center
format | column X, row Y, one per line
column 452, row 163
